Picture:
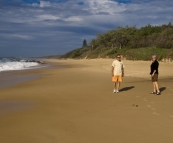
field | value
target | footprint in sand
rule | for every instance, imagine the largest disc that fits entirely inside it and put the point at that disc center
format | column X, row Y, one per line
column 156, row 113
column 138, row 96
column 134, row 105
column 153, row 109
column 151, row 102
column 169, row 88
column 149, row 106
column 145, row 99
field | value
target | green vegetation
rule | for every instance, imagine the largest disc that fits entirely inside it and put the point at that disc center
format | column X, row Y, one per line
column 131, row 42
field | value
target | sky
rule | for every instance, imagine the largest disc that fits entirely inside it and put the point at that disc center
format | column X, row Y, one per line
column 35, row 28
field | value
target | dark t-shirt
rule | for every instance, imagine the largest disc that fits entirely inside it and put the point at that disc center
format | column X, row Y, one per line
column 154, row 66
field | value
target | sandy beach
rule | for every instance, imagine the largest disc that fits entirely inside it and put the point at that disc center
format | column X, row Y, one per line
column 75, row 104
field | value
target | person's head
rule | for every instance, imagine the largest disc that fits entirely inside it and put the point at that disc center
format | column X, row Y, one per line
column 154, row 57
column 119, row 57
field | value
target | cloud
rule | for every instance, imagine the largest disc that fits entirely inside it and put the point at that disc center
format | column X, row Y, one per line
column 17, row 36
column 73, row 19
column 45, row 4
column 104, row 6
column 57, row 26
column 47, row 17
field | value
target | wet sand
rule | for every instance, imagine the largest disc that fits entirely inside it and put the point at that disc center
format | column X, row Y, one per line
column 10, row 78
column 75, row 104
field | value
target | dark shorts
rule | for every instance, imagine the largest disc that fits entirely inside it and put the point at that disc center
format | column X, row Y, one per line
column 154, row 78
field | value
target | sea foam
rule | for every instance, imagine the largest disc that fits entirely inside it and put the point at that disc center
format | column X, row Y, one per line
column 13, row 64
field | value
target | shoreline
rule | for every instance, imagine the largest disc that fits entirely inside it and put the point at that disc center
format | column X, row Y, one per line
column 10, row 78
column 13, row 77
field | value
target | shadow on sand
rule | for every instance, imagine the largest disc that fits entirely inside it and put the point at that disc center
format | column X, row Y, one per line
column 162, row 89
column 127, row 88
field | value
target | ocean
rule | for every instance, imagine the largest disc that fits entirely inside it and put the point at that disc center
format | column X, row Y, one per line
column 12, row 63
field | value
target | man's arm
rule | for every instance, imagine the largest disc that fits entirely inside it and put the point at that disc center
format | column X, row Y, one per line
column 153, row 73
column 112, row 71
column 122, row 72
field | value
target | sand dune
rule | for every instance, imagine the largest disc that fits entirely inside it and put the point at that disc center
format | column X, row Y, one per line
column 75, row 104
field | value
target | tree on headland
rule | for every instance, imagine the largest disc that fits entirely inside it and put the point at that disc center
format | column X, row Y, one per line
column 85, row 43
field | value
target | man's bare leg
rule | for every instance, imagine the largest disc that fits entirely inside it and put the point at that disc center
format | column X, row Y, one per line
column 156, row 86
column 118, row 85
column 114, row 86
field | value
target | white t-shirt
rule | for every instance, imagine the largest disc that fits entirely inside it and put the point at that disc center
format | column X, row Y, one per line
column 118, row 66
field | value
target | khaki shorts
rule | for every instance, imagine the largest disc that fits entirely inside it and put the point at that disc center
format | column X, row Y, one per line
column 154, row 78
column 117, row 78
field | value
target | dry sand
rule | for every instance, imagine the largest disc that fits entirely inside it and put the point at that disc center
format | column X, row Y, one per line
column 75, row 104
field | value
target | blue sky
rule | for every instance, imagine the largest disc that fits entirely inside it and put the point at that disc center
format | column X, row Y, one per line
column 30, row 28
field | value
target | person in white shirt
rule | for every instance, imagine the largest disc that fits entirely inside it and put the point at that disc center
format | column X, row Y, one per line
column 117, row 73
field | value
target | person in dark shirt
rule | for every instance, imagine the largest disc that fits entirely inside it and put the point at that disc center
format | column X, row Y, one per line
column 154, row 75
